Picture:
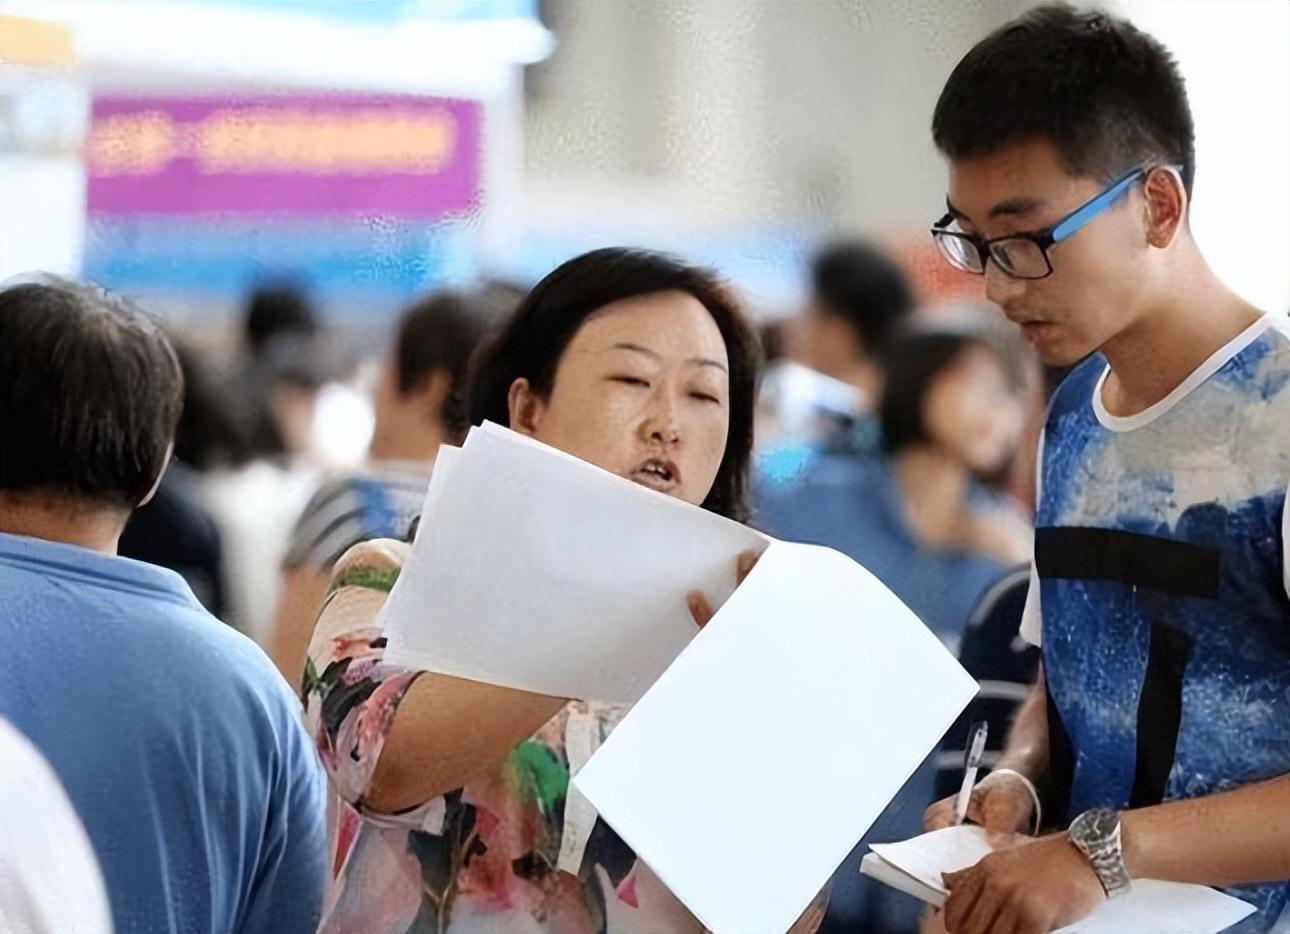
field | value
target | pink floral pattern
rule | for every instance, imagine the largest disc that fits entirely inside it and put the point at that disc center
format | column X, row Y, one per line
column 483, row 858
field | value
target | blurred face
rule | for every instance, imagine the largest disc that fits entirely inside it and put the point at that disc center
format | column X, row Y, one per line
column 825, row 342
column 643, row 391
column 1092, row 294
column 971, row 412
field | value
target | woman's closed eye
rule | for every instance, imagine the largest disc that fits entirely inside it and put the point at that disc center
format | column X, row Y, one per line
column 706, row 397
column 630, row 381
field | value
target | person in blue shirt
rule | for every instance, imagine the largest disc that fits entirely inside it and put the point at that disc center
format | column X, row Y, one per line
column 859, row 297
column 920, row 517
column 1157, row 736
column 178, row 743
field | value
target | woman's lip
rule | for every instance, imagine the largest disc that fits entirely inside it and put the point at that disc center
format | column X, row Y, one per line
column 654, row 482
column 673, row 471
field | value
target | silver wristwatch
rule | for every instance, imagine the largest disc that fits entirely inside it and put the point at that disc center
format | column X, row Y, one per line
column 1097, row 835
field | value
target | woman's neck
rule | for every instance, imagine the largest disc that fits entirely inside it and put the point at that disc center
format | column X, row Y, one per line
column 934, row 491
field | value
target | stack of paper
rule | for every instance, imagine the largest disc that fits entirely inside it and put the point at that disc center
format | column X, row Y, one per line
column 760, row 749
column 535, row 570
column 1150, row 907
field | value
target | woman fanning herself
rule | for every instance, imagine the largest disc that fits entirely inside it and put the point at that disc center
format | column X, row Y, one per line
column 453, row 812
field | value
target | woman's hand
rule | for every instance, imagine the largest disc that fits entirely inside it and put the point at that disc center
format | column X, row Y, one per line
column 698, row 602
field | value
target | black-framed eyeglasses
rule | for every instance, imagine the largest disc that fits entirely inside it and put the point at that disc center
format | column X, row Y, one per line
column 1024, row 255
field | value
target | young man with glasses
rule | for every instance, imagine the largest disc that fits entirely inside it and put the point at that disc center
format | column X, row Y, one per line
column 1158, row 735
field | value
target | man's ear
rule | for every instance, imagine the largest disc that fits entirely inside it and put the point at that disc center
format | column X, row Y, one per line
column 1166, row 206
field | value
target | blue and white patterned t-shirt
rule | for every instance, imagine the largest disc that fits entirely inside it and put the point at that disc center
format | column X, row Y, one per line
column 1161, row 589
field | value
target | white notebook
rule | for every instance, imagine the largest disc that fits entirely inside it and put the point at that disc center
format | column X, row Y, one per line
column 915, row 867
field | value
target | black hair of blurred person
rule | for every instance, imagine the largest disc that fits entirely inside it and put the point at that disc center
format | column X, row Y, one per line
column 1106, row 95
column 531, row 343
column 276, row 311
column 90, row 395
column 858, row 283
column 210, row 433
column 913, row 361
column 439, row 333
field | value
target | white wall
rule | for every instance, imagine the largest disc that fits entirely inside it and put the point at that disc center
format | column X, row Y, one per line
column 743, row 111
column 1235, row 57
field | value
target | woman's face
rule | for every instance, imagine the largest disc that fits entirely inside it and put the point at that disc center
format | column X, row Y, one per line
column 972, row 412
column 643, row 391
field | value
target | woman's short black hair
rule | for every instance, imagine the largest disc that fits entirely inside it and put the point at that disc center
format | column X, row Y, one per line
column 90, row 393
column 532, row 342
column 913, row 360
column 440, row 332
column 1109, row 97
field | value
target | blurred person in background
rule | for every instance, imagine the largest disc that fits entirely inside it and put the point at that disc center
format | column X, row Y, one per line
column 858, row 296
column 179, row 744
column 921, row 517
column 175, row 529
column 264, row 406
column 420, row 404
column 452, row 793
column 1033, row 383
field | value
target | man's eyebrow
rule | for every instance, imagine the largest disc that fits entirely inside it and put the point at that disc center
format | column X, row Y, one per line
column 1016, row 207
column 1013, row 207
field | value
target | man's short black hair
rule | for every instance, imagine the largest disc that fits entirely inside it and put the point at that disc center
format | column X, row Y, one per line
column 860, row 284
column 1109, row 97
column 90, row 393
column 277, row 311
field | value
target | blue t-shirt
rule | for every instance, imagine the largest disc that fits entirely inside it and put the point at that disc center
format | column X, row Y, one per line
column 1162, row 604
column 854, row 505
column 179, row 744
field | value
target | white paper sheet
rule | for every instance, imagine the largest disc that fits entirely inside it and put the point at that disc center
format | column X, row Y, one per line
column 535, row 570
column 1150, row 907
column 749, row 771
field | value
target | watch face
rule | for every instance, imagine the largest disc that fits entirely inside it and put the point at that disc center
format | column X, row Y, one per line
column 1096, row 826
column 1105, row 822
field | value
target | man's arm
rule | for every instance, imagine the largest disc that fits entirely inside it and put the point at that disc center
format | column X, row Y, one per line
column 1027, row 748
column 1236, row 837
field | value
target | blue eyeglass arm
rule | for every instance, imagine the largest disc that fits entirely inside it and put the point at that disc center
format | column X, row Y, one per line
column 1092, row 208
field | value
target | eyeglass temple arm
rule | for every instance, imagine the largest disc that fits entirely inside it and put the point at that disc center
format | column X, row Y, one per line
column 1081, row 216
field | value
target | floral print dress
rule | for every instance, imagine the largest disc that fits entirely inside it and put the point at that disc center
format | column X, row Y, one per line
column 515, row 851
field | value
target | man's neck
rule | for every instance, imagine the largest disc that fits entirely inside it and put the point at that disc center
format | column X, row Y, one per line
column 96, row 528
column 1171, row 337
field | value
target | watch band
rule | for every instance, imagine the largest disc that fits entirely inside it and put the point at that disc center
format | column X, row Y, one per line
column 1097, row 834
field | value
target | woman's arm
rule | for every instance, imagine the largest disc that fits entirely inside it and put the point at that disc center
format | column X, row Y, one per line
column 445, row 731
column 392, row 738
